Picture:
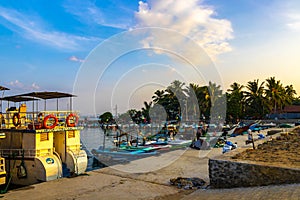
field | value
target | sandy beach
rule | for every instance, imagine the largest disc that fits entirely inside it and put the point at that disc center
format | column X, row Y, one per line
column 119, row 182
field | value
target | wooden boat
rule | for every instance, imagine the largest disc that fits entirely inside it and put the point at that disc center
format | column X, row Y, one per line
column 242, row 129
column 110, row 157
column 43, row 145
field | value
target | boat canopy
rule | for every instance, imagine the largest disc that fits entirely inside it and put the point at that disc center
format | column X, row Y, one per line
column 18, row 98
column 3, row 88
column 47, row 95
column 36, row 96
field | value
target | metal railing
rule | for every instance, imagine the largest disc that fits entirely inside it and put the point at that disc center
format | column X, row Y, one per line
column 35, row 120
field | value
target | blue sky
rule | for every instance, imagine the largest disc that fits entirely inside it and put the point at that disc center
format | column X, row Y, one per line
column 49, row 46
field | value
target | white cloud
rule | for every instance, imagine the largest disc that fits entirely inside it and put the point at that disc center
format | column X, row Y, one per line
column 35, row 86
column 76, row 59
column 16, row 83
column 293, row 21
column 19, row 86
column 32, row 28
column 294, row 26
column 191, row 19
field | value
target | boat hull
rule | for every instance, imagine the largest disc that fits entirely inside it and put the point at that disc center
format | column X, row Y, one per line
column 36, row 170
column 76, row 163
column 2, row 171
column 110, row 158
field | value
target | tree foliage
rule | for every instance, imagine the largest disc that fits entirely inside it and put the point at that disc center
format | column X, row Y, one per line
column 181, row 102
column 106, row 118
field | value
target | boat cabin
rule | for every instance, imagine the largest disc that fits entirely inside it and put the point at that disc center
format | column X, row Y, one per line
column 40, row 145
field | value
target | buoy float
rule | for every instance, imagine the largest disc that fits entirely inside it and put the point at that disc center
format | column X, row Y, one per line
column 72, row 120
column 16, row 120
column 51, row 116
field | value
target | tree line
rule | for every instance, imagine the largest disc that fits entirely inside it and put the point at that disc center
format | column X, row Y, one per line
column 179, row 101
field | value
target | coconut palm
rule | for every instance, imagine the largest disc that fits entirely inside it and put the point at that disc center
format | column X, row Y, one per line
column 177, row 99
column 290, row 94
column 254, row 98
column 159, row 96
column 217, row 103
column 275, row 93
column 146, row 110
column 193, row 101
column 177, row 87
column 203, row 98
column 215, row 92
column 235, row 101
column 236, row 87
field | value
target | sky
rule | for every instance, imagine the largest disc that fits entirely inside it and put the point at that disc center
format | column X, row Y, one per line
column 115, row 54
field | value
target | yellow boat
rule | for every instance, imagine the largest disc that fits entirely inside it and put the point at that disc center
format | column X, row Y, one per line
column 2, row 135
column 2, row 171
column 40, row 146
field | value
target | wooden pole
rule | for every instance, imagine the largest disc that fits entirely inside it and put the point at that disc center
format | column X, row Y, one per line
column 253, row 142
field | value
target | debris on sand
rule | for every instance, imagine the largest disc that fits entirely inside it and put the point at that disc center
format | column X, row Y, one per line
column 187, row 183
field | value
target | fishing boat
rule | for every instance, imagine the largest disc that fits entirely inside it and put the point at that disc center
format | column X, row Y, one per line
column 40, row 145
column 2, row 135
column 239, row 130
column 2, row 167
column 130, row 146
column 111, row 157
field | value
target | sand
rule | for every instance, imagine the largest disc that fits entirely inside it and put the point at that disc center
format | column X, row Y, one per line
column 118, row 182
column 282, row 150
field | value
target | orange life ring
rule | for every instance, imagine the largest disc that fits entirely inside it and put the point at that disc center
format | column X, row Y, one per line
column 16, row 120
column 51, row 116
column 72, row 120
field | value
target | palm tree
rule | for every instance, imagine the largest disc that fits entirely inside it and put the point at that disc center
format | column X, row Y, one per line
column 274, row 93
column 159, row 95
column 203, row 98
column 146, row 110
column 289, row 94
column 215, row 92
column 177, row 99
column 254, row 97
column 236, row 87
column 193, row 101
column 177, row 88
column 217, row 103
column 235, row 102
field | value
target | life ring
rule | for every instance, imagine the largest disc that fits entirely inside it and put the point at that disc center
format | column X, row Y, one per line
column 51, row 116
column 72, row 120
column 16, row 120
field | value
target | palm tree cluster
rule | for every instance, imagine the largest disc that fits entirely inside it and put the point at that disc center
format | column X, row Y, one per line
column 194, row 102
column 180, row 102
column 256, row 100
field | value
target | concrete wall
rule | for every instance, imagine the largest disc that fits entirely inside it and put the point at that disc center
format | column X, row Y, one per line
column 229, row 174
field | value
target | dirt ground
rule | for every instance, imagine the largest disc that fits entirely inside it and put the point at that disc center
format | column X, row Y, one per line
column 119, row 182
column 283, row 150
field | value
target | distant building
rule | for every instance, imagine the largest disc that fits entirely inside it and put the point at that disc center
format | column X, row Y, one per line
column 289, row 112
